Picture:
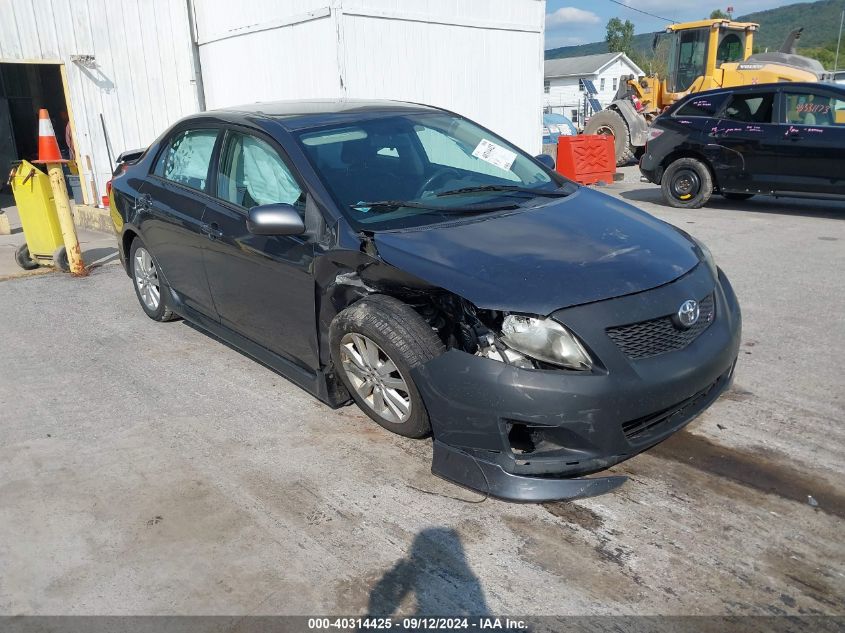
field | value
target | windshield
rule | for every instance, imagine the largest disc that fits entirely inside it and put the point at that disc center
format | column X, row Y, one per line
column 422, row 159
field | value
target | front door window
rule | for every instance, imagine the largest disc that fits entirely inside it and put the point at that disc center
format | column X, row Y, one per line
column 252, row 173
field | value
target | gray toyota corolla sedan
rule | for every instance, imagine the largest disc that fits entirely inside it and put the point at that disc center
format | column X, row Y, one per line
column 408, row 259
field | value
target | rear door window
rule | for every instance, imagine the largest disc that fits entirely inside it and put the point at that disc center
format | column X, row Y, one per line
column 187, row 157
column 757, row 107
column 809, row 107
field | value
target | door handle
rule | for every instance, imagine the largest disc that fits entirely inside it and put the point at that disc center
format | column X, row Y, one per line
column 212, row 230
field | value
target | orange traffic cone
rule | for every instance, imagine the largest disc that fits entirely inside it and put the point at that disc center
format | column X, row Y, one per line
column 48, row 146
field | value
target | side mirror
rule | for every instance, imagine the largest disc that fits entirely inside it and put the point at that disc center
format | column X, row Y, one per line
column 546, row 160
column 275, row 219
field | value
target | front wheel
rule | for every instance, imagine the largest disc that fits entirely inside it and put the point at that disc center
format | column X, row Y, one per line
column 375, row 343
column 687, row 184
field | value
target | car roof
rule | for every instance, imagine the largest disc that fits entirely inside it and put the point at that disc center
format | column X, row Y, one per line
column 770, row 86
column 301, row 114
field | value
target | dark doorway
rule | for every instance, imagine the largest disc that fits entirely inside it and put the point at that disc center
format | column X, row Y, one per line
column 24, row 89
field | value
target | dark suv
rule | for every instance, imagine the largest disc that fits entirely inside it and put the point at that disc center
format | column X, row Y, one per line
column 785, row 139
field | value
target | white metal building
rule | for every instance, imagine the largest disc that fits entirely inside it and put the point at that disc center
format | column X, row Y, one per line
column 129, row 69
column 563, row 88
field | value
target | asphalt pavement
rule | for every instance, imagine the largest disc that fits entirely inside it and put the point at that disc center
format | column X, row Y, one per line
column 148, row 468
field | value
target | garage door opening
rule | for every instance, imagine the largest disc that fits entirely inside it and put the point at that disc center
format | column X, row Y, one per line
column 24, row 89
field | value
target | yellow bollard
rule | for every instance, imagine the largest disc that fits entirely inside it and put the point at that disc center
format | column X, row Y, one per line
column 74, row 253
column 48, row 153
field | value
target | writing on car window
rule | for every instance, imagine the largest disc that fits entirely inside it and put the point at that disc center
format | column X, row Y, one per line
column 810, row 108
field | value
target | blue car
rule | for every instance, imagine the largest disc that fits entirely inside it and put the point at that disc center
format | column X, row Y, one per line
column 555, row 125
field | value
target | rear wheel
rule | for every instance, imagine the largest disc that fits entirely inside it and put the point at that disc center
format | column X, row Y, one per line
column 149, row 287
column 611, row 123
column 375, row 343
column 737, row 196
column 687, row 184
column 23, row 258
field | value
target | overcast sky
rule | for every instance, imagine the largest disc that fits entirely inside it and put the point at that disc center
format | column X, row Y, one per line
column 578, row 22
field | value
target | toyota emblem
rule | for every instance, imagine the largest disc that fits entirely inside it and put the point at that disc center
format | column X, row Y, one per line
column 688, row 313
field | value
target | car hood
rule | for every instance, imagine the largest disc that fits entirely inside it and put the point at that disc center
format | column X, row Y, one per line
column 582, row 248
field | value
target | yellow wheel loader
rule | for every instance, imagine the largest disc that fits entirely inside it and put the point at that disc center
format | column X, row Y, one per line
column 702, row 55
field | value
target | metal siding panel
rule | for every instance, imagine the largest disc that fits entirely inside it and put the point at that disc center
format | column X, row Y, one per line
column 47, row 29
column 215, row 17
column 232, row 76
column 136, row 63
column 10, row 41
column 180, row 36
column 28, row 28
column 497, row 83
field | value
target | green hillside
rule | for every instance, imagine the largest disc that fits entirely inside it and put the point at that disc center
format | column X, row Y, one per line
column 819, row 19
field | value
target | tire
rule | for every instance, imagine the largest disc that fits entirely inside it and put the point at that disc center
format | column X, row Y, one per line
column 401, row 337
column 148, row 283
column 687, row 184
column 60, row 260
column 23, row 258
column 611, row 122
column 737, row 196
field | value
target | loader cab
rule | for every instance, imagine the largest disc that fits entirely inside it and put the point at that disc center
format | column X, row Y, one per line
column 698, row 49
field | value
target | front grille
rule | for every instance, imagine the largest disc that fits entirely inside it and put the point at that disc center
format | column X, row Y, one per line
column 661, row 335
column 646, row 427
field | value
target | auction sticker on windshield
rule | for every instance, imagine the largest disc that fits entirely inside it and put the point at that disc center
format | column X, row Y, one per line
column 494, row 154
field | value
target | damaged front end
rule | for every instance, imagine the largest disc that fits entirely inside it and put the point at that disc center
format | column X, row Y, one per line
column 523, row 407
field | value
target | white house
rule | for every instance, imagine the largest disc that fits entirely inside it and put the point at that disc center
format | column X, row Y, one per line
column 565, row 93
column 124, row 71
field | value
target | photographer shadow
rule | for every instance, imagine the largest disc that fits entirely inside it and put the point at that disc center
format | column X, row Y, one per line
column 436, row 575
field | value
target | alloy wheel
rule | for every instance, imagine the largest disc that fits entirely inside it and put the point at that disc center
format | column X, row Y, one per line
column 146, row 279
column 375, row 377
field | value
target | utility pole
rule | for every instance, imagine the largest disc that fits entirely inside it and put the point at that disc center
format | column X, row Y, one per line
column 838, row 41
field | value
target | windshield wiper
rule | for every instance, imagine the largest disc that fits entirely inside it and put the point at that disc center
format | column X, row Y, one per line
column 505, row 189
column 396, row 204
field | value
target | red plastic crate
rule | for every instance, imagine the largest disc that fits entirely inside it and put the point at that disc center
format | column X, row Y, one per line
column 586, row 158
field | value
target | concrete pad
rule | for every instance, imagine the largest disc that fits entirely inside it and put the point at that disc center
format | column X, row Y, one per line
column 146, row 468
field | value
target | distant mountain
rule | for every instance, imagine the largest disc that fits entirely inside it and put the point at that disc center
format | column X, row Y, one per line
column 819, row 19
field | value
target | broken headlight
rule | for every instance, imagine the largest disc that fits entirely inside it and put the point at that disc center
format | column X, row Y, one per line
column 544, row 340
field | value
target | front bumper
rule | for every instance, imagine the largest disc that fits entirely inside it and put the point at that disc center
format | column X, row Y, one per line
column 523, row 434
